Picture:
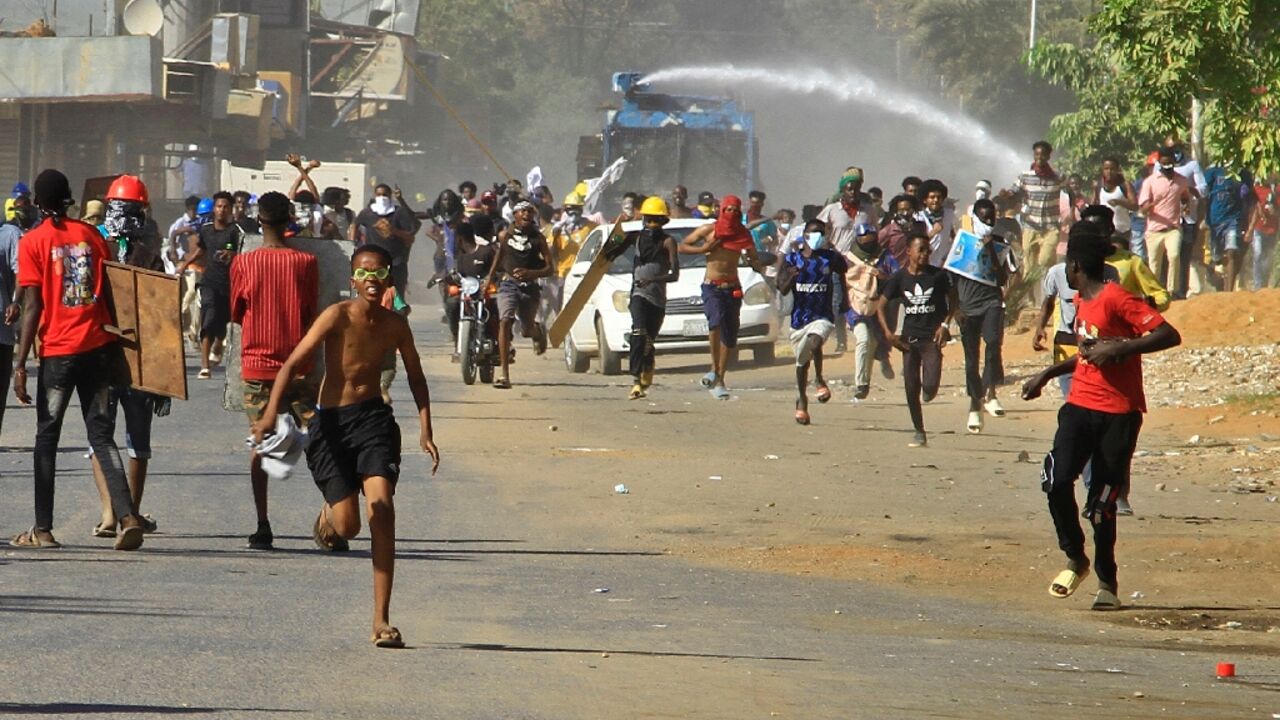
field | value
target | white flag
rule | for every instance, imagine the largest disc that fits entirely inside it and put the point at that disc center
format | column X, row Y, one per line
column 597, row 186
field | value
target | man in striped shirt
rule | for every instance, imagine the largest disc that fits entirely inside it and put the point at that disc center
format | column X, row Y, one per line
column 274, row 298
column 1042, row 188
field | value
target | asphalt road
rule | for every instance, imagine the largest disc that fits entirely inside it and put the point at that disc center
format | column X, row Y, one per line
column 503, row 607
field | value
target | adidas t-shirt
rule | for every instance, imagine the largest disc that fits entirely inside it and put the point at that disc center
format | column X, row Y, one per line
column 813, row 286
column 923, row 298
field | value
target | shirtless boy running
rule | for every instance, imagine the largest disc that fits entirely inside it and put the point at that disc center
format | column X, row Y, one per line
column 723, row 242
column 355, row 442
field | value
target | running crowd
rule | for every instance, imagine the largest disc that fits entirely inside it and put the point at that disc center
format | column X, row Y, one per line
column 896, row 275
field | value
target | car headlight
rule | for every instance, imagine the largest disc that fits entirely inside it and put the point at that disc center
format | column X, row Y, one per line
column 757, row 294
column 621, row 301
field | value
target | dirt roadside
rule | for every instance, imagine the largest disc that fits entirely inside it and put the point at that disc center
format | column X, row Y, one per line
column 739, row 484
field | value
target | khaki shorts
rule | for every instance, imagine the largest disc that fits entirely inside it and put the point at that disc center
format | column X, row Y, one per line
column 299, row 398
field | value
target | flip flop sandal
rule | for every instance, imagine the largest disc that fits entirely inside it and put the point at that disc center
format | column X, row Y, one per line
column 129, row 538
column 502, row 384
column 1066, row 583
column 388, row 637
column 149, row 524
column 824, row 393
column 720, row 393
column 1106, row 600
column 102, row 531
column 204, row 375
column 802, row 417
column 30, row 540
column 637, row 392
column 325, row 537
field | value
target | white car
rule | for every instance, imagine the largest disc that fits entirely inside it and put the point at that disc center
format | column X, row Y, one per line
column 603, row 329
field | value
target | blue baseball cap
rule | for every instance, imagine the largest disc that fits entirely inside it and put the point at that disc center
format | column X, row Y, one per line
column 864, row 229
column 21, row 190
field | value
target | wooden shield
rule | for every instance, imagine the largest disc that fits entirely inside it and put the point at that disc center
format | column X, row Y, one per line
column 147, row 309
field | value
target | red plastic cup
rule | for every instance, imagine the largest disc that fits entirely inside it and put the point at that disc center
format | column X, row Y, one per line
column 1226, row 670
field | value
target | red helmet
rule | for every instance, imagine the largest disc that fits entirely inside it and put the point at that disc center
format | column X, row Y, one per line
column 128, row 187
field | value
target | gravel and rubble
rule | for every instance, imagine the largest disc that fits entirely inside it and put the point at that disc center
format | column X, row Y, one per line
column 1203, row 377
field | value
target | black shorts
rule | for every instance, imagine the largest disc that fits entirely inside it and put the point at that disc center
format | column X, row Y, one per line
column 215, row 313
column 346, row 444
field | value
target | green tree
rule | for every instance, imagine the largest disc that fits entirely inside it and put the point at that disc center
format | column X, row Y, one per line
column 1150, row 60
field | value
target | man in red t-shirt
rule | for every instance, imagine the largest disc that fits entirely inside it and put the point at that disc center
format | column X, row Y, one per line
column 274, row 294
column 63, row 288
column 1102, row 416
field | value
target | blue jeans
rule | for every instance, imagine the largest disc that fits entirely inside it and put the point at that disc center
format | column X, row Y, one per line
column 1262, row 249
column 1138, row 243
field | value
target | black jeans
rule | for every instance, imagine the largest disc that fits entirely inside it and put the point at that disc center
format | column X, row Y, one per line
column 6, row 369
column 922, row 371
column 988, row 328
column 90, row 375
column 646, row 322
column 1106, row 441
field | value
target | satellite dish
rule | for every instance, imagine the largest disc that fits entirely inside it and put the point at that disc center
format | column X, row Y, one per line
column 143, row 17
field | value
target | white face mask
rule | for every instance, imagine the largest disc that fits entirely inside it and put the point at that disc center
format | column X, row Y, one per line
column 982, row 194
column 383, row 205
column 814, row 240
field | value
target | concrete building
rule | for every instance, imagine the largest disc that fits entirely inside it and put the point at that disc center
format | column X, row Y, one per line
column 171, row 90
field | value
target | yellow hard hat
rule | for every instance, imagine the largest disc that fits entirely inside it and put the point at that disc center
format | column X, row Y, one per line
column 582, row 189
column 573, row 198
column 654, row 205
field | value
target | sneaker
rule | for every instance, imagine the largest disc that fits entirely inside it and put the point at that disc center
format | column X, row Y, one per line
column 262, row 539
column 918, row 440
column 862, row 392
column 1123, row 507
column 975, row 422
column 994, row 408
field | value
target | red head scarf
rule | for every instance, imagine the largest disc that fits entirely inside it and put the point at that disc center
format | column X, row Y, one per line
column 730, row 231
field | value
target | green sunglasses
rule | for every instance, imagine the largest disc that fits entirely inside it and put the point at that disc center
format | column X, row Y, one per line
column 362, row 274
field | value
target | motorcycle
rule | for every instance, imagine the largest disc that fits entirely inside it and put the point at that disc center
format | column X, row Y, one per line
column 477, row 339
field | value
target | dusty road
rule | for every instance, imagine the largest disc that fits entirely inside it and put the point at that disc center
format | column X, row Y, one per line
column 757, row 569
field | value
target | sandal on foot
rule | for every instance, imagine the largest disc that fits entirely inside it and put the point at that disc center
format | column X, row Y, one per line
column 720, row 392
column 802, row 417
column 203, row 374
column 103, row 531
column 824, row 393
column 975, row 422
column 31, row 539
column 1066, row 583
column 1106, row 599
column 637, row 392
column 708, row 380
column 388, row 637
column 502, row 384
column 149, row 524
column 325, row 537
column 129, row 538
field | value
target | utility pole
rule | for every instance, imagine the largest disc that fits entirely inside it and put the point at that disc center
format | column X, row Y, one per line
column 1031, row 42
